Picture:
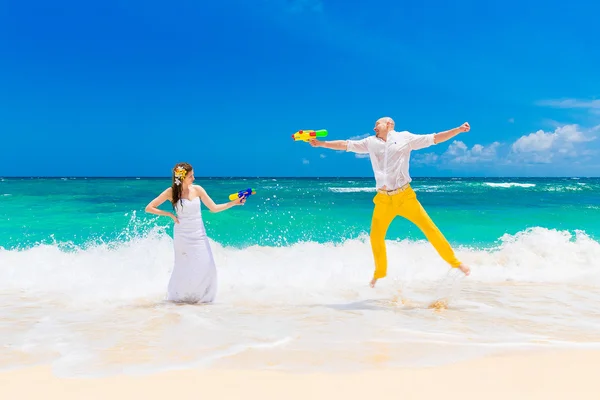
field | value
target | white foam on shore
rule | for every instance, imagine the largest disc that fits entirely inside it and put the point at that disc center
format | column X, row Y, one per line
column 509, row 184
column 100, row 309
column 352, row 189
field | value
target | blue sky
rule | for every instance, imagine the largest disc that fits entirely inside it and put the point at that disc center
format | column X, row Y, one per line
column 132, row 87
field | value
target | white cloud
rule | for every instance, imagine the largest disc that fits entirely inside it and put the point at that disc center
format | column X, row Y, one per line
column 571, row 103
column 590, row 106
column 361, row 155
column 359, row 137
column 456, row 147
column 459, row 152
column 511, row 120
column 322, row 155
column 305, row 161
column 426, row 158
column 538, row 141
column 573, row 134
column 545, row 147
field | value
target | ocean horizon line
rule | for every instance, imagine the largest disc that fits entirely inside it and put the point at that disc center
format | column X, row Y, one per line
column 292, row 177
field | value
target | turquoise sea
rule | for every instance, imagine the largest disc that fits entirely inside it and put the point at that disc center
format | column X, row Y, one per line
column 83, row 274
column 470, row 212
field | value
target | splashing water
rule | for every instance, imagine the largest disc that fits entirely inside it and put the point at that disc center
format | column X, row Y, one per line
column 101, row 310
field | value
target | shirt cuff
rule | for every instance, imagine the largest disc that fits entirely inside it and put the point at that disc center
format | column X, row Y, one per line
column 350, row 146
column 432, row 139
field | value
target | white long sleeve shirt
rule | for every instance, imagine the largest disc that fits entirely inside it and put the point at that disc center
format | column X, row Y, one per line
column 390, row 159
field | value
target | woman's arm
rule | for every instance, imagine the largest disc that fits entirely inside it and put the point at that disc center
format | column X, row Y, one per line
column 217, row 207
column 152, row 207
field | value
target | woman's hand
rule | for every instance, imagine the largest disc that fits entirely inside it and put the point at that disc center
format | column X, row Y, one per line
column 239, row 201
column 174, row 218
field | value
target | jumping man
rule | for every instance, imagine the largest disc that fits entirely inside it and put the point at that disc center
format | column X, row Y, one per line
column 389, row 152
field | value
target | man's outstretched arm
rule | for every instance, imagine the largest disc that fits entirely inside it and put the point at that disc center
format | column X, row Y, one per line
column 333, row 144
column 446, row 135
column 354, row 146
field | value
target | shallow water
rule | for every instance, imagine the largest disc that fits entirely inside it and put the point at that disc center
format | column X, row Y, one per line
column 90, row 301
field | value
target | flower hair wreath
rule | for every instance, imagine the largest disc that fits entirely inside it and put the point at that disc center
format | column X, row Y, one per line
column 180, row 173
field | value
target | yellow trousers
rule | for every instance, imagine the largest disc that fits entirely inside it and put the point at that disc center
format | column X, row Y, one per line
column 406, row 205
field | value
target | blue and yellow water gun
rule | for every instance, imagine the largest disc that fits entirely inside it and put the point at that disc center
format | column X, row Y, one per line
column 242, row 193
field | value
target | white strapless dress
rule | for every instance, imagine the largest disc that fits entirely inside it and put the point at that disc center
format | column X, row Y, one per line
column 194, row 276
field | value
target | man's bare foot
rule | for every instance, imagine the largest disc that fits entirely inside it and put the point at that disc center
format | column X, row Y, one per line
column 465, row 269
column 373, row 282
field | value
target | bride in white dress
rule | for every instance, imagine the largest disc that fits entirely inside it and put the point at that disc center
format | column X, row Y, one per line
column 194, row 276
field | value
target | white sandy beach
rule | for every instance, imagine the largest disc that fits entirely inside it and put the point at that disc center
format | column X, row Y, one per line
column 527, row 375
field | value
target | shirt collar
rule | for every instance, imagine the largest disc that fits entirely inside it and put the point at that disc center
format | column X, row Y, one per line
column 389, row 133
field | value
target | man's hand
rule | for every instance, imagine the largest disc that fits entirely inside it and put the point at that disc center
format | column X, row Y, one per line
column 464, row 127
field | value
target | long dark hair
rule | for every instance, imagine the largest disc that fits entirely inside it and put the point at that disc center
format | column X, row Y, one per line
column 176, row 187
